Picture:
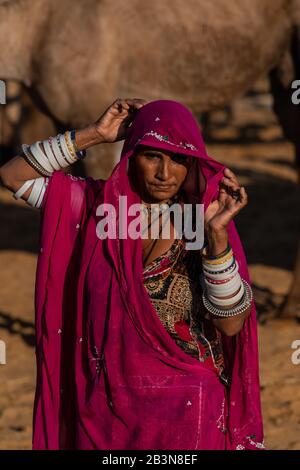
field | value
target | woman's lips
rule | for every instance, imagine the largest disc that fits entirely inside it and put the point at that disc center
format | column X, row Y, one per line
column 163, row 187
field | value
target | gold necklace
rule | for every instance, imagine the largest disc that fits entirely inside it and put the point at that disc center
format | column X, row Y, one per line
column 158, row 210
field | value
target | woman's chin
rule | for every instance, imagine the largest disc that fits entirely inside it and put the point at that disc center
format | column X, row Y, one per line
column 160, row 194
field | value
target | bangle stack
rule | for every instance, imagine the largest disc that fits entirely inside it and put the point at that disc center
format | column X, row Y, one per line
column 37, row 192
column 54, row 153
column 45, row 157
column 222, row 278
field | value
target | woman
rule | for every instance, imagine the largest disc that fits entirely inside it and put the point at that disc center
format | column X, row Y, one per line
column 140, row 344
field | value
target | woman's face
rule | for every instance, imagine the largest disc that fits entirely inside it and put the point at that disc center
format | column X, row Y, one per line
column 158, row 173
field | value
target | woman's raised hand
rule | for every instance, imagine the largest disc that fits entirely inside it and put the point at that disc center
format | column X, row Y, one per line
column 231, row 199
column 113, row 123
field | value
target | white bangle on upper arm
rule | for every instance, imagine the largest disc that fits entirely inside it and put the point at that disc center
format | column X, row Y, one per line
column 37, row 192
column 23, row 189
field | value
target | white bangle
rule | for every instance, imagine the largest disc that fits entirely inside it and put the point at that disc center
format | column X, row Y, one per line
column 224, row 292
column 62, row 150
column 41, row 196
column 51, row 155
column 226, row 288
column 217, row 267
column 40, row 157
column 231, row 300
column 36, row 191
column 23, row 189
column 32, row 161
column 56, row 150
column 222, row 276
column 230, row 311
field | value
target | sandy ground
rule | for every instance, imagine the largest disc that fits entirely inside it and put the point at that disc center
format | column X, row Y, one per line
column 252, row 146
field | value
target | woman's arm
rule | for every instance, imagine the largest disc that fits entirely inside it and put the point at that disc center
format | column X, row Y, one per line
column 221, row 275
column 16, row 171
column 230, row 326
column 110, row 127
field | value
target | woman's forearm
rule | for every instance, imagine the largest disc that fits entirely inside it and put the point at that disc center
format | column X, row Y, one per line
column 87, row 137
column 217, row 243
column 17, row 170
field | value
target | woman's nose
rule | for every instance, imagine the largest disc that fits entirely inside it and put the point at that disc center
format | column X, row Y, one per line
column 163, row 171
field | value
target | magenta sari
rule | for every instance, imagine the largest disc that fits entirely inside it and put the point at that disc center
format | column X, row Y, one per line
column 109, row 376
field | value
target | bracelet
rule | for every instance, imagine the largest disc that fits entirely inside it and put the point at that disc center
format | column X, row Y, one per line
column 50, row 154
column 218, row 261
column 227, row 288
column 36, row 191
column 70, row 148
column 222, row 276
column 215, row 268
column 80, row 153
column 23, row 189
column 220, row 255
column 72, row 135
column 215, row 295
column 41, row 197
column 32, row 162
column 59, row 156
column 40, row 157
column 230, row 312
column 57, row 145
column 216, row 274
column 219, row 282
column 65, row 150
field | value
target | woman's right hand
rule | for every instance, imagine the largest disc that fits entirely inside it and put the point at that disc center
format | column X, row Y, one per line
column 113, row 123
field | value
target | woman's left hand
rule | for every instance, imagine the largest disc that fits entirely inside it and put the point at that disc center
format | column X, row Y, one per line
column 221, row 211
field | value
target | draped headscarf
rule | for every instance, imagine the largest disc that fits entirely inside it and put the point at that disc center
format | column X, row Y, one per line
column 109, row 376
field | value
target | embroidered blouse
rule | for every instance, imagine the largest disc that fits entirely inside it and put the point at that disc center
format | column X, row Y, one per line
column 173, row 283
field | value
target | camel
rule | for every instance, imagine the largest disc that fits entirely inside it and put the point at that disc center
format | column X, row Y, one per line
column 90, row 53
column 75, row 58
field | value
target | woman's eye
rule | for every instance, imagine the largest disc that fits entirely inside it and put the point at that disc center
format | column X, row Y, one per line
column 179, row 159
column 151, row 155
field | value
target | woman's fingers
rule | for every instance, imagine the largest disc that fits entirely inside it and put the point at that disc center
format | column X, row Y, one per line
column 229, row 183
column 243, row 196
column 233, row 190
column 129, row 104
column 230, row 175
column 136, row 102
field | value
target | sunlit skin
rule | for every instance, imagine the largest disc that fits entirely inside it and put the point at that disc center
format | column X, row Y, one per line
column 149, row 168
column 153, row 167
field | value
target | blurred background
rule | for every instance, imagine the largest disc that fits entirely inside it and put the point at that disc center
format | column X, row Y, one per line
column 232, row 62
